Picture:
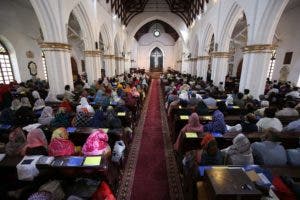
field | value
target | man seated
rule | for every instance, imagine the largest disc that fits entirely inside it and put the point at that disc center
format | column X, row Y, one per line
column 293, row 126
column 288, row 111
column 270, row 151
column 269, row 121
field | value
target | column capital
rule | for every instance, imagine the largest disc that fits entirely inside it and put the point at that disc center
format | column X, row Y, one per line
column 203, row 57
column 55, row 46
column 193, row 59
column 108, row 56
column 259, row 48
column 92, row 53
column 179, row 61
column 219, row 54
column 119, row 57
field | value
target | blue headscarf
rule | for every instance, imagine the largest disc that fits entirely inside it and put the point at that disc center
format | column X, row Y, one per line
column 218, row 123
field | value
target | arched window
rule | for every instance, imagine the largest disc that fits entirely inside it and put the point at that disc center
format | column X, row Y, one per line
column 6, row 71
column 44, row 66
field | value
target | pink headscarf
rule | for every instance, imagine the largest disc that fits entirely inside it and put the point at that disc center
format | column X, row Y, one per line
column 96, row 143
column 36, row 138
column 193, row 124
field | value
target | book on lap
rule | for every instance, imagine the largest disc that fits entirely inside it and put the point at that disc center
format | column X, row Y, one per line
column 92, row 161
column 71, row 161
column 75, row 161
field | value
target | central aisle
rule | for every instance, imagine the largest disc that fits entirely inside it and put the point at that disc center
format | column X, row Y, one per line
column 151, row 171
column 151, row 180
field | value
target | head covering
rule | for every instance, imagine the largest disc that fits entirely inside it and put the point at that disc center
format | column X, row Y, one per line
column 36, row 138
column 16, row 143
column 66, row 105
column 46, row 116
column 15, row 104
column 241, row 144
column 206, row 139
column 25, row 102
column 202, row 108
column 60, row 145
column 36, row 94
column 264, row 103
column 218, row 124
column 60, row 119
column 41, row 195
column 83, row 119
column 84, row 102
column 51, row 97
column 39, row 104
column 96, row 143
column 60, row 133
column 194, row 124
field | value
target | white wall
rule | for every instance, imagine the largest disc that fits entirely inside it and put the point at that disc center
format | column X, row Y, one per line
column 19, row 25
column 148, row 42
column 288, row 31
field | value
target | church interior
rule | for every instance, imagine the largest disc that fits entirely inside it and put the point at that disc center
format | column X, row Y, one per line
column 149, row 99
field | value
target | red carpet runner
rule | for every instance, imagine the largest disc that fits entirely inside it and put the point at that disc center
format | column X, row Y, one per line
column 151, row 179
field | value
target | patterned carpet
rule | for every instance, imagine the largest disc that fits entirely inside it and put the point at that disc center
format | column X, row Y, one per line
column 151, row 171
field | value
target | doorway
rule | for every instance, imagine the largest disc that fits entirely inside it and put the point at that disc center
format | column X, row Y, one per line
column 156, row 60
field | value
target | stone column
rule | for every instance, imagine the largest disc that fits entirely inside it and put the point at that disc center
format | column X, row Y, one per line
column 255, row 68
column 179, row 66
column 122, row 65
column 109, row 65
column 193, row 67
column 127, row 65
column 93, row 65
column 202, row 66
column 59, row 68
column 219, row 66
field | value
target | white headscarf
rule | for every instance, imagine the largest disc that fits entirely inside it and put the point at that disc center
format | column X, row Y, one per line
column 36, row 94
column 46, row 116
column 51, row 98
column 15, row 104
column 25, row 102
column 39, row 104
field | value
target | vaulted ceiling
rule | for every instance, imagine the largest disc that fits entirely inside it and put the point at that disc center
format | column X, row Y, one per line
column 187, row 10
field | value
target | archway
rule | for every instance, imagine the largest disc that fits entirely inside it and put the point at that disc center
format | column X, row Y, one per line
column 156, row 60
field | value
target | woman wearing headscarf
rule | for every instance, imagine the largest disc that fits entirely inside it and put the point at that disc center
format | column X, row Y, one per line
column 210, row 153
column 25, row 102
column 38, row 107
column 96, row 144
column 46, row 116
column 51, row 98
column 16, row 143
column 240, row 152
column 36, row 143
column 217, row 124
column 192, row 126
column 111, row 120
column 82, row 119
column 8, row 114
column 85, row 106
column 98, row 119
column 66, row 104
column 60, row 144
column 35, row 95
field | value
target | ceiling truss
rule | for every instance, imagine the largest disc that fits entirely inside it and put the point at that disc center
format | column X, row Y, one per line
column 187, row 10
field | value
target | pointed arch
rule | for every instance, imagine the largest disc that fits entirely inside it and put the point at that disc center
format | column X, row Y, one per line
column 104, row 31
column 206, row 40
column 234, row 14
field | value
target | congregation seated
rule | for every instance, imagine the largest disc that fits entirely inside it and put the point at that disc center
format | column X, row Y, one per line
column 293, row 126
column 288, row 111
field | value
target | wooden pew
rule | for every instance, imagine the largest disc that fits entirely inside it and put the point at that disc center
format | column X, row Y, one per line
column 288, row 140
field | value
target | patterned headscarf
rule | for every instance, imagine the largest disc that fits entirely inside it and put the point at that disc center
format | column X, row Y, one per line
column 218, row 124
column 36, row 138
column 25, row 102
column 60, row 145
column 96, row 143
column 16, row 143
